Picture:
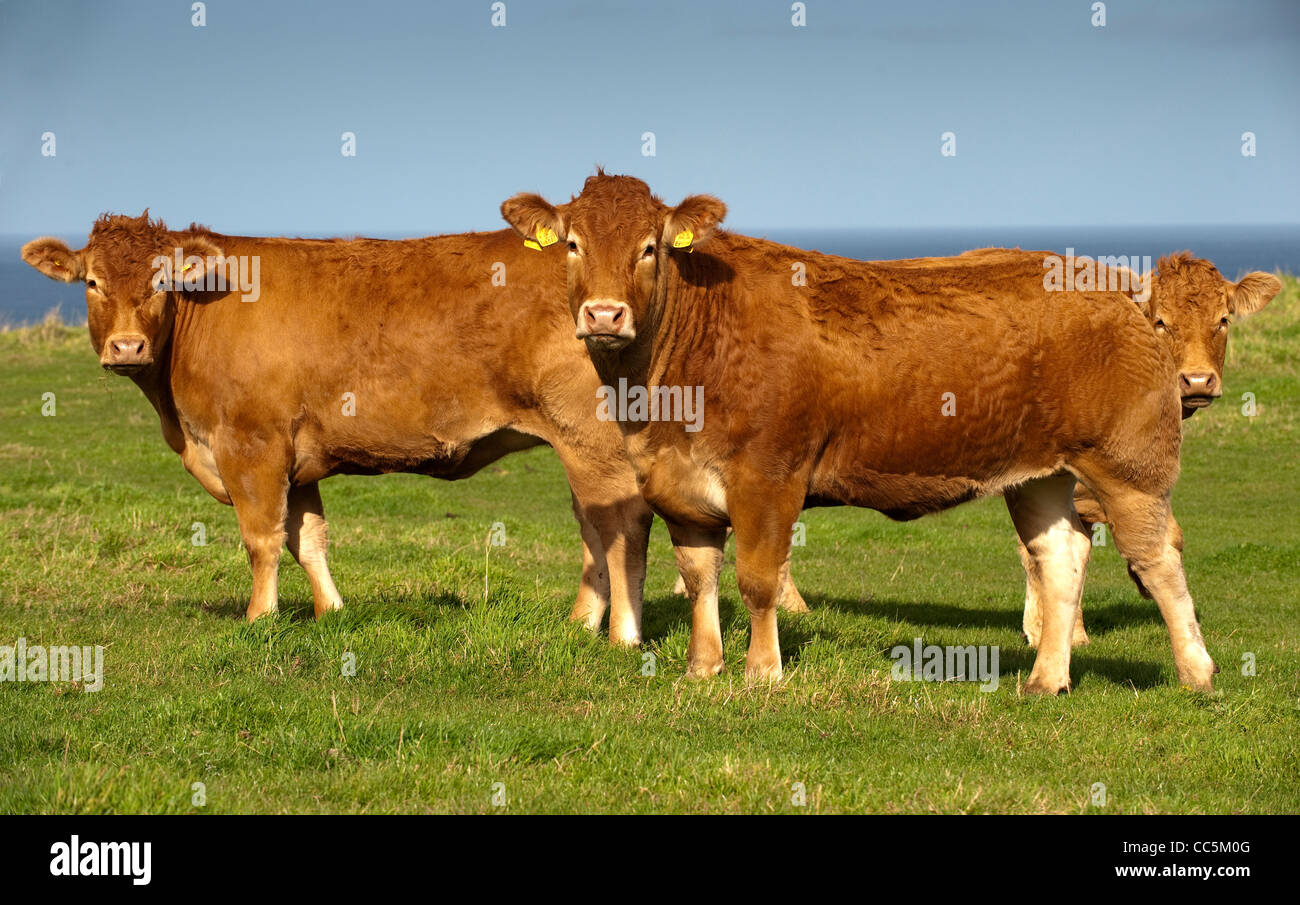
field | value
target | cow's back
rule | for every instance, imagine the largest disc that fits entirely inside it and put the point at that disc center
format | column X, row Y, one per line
column 916, row 387
column 374, row 355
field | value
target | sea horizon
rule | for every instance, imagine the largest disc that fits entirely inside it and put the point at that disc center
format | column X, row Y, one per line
column 26, row 296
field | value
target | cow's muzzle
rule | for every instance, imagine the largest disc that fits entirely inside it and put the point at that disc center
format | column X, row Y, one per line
column 606, row 324
column 1199, row 389
column 126, row 352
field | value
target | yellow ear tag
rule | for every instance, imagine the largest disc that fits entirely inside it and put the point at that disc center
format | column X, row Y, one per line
column 546, row 236
column 683, row 239
column 186, row 267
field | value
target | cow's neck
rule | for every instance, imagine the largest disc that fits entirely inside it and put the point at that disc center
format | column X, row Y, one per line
column 687, row 330
column 631, row 364
column 155, row 383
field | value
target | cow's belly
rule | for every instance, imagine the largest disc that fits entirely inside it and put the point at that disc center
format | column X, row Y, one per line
column 909, row 488
column 899, row 496
column 449, row 459
column 380, row 438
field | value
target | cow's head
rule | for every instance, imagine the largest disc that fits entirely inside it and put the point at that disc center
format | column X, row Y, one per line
column 127, row 269
column 619, row 237
column 1191, row 307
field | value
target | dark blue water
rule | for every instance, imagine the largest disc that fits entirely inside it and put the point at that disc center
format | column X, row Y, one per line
column 1235, row 250
column 26, row 296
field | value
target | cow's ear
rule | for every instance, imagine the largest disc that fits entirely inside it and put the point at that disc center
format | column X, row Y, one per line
column 534, row 218
column 692, row 222
column 53, row 258
column 1143, row 286
column 1252, row 292
column 198, row 255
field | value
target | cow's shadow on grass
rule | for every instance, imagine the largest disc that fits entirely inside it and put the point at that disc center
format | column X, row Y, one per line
column 666, row 614
column 223, row 607
column 919, row 613
column 1140, row 674
column 1103, row 618
column 420, row 611
column 1099, row 618
column 1019, row 657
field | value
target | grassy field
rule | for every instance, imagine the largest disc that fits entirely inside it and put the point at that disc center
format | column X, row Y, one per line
column 454, row 694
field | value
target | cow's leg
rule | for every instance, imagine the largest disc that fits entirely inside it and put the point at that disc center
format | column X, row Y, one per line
column 625, row 537
column 1147, row 535
column 762, row 550
column 307, row 537
column 699, row 560
column 1142, row 589
column 791, row 600
column 593, row 587
column 256, row 475
column 1031, row 626
column 1058, row 548
column 615, row 522
column 1090, row 512
column 621, row 533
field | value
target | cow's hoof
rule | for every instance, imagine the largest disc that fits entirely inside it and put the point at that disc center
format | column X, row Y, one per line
column 625, row 638
column 703, row 669
column 330, row 606
column 588, row 613
column 1046, row 686
column 759, row 672
column 1199, row 678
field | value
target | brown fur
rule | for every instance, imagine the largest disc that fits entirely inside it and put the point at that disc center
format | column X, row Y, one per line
column 832, row 393
column 449, row 373
column 1191, row 306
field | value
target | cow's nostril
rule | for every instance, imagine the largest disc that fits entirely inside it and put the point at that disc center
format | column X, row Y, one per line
column 618, row 317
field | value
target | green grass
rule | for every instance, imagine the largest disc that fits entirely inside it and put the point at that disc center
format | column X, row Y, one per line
column 454, row 693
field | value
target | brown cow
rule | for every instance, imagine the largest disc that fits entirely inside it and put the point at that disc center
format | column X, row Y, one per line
column 360, row 356
column 1188, row 303
column 873, row 386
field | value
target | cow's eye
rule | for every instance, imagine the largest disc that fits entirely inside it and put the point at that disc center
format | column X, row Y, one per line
column 649, row 252
column 1160, row 324
column 573, row 246
column 91, row 284
column 1223, row 324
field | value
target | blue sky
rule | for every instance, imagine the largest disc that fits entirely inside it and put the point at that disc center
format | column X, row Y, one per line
column 837, row 124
